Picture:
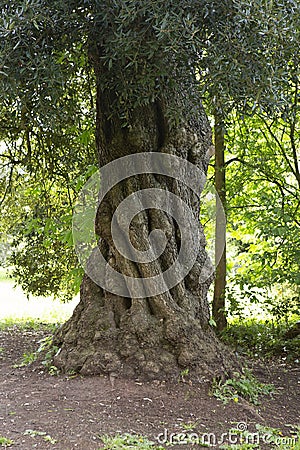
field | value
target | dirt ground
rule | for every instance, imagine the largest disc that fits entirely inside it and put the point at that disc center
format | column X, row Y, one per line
column 74, row 412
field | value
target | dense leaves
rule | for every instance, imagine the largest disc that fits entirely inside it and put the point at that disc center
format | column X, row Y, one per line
column 263, row 211
column 239, row 48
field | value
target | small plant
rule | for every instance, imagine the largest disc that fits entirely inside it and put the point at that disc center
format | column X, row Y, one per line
column 128, row 442
column 46, row 437
column 275, row 437
column 242, row 385
column 5, row 442
column 53, row 370
column 27, row 359
column 184, row 373
column 34, row 433
column 48, row 350
column 49, row 439
column 189, row 426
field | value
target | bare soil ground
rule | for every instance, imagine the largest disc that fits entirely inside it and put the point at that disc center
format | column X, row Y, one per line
column 75, row 411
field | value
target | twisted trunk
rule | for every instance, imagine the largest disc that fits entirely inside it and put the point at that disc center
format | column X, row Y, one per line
column 159, row 335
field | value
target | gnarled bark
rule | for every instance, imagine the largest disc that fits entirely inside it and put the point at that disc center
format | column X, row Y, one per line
column 157, row 336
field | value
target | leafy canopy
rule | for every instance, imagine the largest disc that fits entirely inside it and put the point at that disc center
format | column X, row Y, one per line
column 145, row 48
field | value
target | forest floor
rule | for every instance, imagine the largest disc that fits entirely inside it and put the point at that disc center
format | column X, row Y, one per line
column 62, row 412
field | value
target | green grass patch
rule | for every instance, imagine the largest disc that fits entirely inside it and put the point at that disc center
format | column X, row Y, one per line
column 128, row 442
column 27, row 324
column 5, row 442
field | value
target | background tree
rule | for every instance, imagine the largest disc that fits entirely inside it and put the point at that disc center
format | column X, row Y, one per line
column 264, row 212
column 271, row 98
column 43, row 166
column 147, row 59
column 218, row 303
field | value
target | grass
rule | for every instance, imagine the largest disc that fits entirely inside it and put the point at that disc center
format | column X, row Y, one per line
column 35, row 313
column 128, row 442
column 17, row 310
column 237, row 438
column 5, row 442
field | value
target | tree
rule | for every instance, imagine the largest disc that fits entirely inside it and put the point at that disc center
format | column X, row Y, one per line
column 218, row 304
column 40, row 179
column 264, row 208
column 230, row 101
column 147, row 59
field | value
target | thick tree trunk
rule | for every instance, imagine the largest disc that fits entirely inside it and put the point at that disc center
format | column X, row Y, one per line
column 160, row 335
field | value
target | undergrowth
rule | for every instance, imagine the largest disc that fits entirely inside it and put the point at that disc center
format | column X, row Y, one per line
column 243, row 385
column 263, row 339
column 44, row 353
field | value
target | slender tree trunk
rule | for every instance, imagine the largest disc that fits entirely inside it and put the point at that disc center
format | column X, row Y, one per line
column 218, row 306
column 159, row 335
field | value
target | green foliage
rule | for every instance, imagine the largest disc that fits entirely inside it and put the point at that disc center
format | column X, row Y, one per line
column 242, row 385
column 45, row 353
column 263, row 435
column 5, row 442
column 147, row 48
column 43, row 259
column 275, row 438
column 27, row 359
column 48, row 351
column 263, row 187
column 48, row 148
column 39, row 219
column 263, row 339
column 128, row 441
column 183, row 374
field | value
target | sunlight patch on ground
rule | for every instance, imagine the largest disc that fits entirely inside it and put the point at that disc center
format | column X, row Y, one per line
column 15, row 305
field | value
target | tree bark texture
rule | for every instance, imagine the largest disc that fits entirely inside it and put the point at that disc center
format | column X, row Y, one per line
column 155, row 337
